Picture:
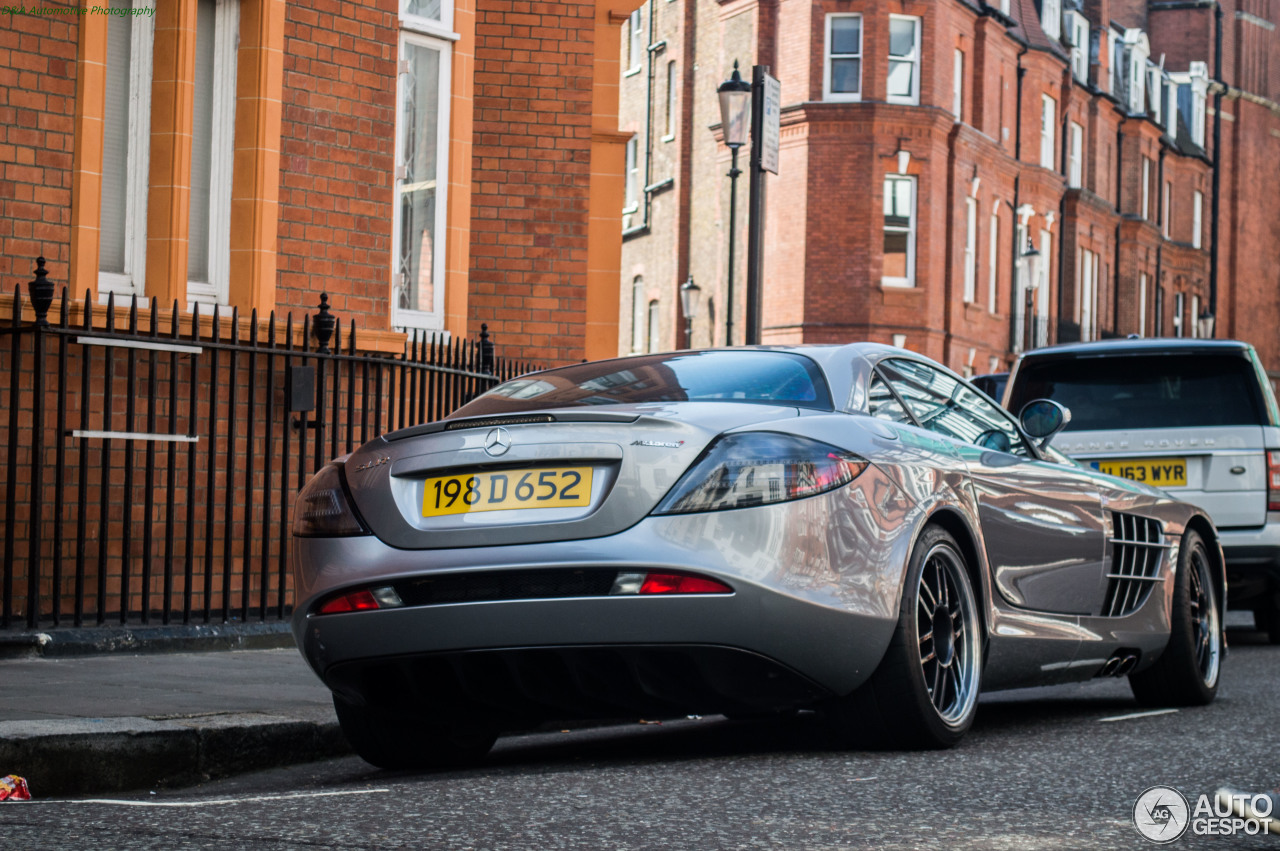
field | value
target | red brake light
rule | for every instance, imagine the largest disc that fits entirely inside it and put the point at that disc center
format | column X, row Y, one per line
column 679, row 583
column 356, row 601
column 1273, row 480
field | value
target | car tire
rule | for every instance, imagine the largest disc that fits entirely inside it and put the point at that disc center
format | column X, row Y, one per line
column 393, row 741
column 924, row 692
column 1267, row 619
column 1187, row 672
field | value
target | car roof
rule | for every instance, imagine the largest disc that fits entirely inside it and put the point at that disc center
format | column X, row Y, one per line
column 1138, row 346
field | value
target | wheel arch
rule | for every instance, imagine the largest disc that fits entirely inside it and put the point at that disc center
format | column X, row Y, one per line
column 956, row 526
column 1205, row 528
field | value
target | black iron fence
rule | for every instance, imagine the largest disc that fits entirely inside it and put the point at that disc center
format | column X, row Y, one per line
column 151, row 458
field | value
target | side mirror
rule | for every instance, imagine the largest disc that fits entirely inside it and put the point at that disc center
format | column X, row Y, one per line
column 1043, row 418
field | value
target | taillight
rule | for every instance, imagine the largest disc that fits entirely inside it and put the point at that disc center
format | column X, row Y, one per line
column 1273, row 480
column 361, row 601
column 667, row 583
column 759, row 468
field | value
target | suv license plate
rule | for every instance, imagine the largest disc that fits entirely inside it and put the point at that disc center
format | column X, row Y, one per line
column 541, row 487
column 1159, row 472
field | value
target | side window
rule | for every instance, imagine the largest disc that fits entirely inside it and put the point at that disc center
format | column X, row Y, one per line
column 945, row 405
column 883, row 404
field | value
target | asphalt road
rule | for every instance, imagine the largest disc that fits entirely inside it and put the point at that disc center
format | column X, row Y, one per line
column 1042, row 769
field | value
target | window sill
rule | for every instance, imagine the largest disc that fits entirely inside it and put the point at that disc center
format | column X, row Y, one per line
column 631, row 72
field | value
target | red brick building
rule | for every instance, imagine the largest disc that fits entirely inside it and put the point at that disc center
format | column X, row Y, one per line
column 430, row 164
column 925, row 146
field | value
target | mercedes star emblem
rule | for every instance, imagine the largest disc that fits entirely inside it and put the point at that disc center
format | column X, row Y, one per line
column 497, row 441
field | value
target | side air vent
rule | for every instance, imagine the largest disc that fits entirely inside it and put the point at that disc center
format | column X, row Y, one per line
column 490, row 422
column 1137, row 548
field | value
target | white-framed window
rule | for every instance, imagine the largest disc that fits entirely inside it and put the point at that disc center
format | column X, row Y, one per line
column 1179, row 305
column 1146, row 188
column 899, row 231
column 1171, row 108
column 1048, row 130
column 421, row 178
column 655, row 326
column 970, row 250
column 1166, row 209
column 635, row 41
column 1109, row 46
column 993, row 256
column 904, row 60
column 1142, row 304
column 1197, row 219
column 1155, row 91
column 1136, row 51
column 1051, row 18
column 842, row 72
column 1075, row 157
column 1195, row 316
column 1086, row 293
column 639, row 314
column 1078, row 37
column 1043, row 295
column 431, row 17
column 126, row 145
column 669, row 122
column 1192, row 88
column 631, row 201
column 957, row 86
column 212, row 151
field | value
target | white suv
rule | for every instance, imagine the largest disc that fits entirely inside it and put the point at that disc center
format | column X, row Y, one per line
column 1196, row 417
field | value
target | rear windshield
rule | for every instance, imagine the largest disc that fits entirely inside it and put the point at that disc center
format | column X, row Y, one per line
column 776, row 378
column 1145, row 391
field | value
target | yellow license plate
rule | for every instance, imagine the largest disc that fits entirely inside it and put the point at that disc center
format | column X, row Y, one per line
column 542, row 487
column 1159, row 472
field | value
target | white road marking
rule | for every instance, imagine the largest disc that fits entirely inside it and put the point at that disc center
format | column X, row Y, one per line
column 209, row 802
column 1137, row 715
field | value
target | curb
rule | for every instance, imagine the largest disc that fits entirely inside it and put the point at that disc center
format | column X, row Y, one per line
column 182, row 638
column 81, row 757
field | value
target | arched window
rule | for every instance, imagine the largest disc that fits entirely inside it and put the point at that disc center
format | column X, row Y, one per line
column 654, row 328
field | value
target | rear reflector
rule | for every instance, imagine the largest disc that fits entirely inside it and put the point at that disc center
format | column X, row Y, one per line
column 679, row 583
column 1273, row 480
column 360, row 601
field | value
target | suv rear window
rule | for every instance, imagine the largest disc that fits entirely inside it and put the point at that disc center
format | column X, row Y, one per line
column 1145, row 391
column 775, row 378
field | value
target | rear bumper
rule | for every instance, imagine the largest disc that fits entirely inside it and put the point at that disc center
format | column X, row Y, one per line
column 814, row 604
column 1253, row 563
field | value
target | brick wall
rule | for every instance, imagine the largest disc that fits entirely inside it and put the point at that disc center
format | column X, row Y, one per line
column 37, row 108
column 531, row 171
column 337, row 157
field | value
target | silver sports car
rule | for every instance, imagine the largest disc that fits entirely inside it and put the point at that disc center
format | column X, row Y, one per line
column 849, row 529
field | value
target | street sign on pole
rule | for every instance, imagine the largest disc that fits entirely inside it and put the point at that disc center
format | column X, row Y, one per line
column 772, row 124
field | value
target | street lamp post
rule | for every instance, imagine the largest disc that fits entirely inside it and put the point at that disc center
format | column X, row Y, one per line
column 1032, row 258
column 689, row 306
column 1204, row 323
column 735, row 101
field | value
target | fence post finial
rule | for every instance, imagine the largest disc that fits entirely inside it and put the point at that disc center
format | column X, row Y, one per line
column 324, row 325
column 41, row 292
column 486, row 350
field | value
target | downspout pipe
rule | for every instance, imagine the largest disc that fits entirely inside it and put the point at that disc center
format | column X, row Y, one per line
column 1017, row 203
column 1217, row 162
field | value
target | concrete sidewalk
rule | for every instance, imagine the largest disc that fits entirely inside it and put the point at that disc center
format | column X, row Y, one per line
column 88, row 724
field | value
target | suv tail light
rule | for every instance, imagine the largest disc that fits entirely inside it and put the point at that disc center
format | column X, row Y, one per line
column 1273, row 480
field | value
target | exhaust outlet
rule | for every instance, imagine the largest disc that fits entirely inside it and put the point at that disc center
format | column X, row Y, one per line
column 1109, row 667
column 1127, row 664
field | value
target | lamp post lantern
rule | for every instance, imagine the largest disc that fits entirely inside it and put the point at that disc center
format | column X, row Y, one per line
column 735, row 103
column 1204, row 323
column 1032, row 258
column 689, row 306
